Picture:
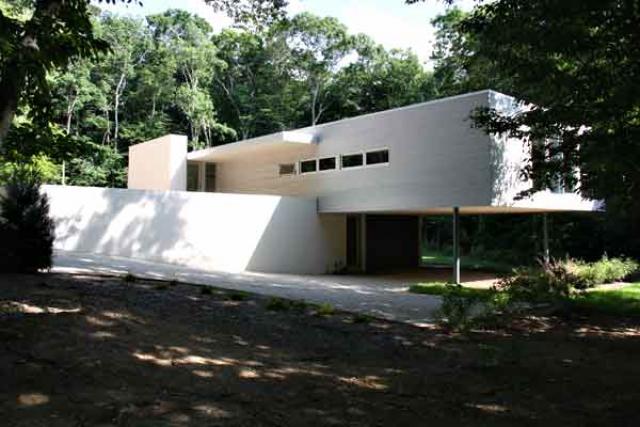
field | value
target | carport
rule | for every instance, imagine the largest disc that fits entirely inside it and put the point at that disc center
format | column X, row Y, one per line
column 386, row 241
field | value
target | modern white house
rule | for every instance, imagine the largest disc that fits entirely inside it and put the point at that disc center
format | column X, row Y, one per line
column 312, row 200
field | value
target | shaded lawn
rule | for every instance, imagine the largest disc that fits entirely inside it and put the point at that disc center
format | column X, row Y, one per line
column 624, row 301
column 617, row 302
column 80, row 350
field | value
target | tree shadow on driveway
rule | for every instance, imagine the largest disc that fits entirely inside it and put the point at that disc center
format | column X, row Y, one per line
column 88, row 350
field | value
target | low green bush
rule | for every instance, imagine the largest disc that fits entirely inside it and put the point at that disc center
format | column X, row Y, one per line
column 553, row 280
column 283, row 304
column 238, row 296
column 361, row 318
column 462, row 310
column 605, row 270
column 129, row 278
column 560, row 279
column 325, row 309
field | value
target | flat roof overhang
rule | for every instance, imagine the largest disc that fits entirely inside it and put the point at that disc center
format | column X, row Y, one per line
column 268, row 144
column 542, row 202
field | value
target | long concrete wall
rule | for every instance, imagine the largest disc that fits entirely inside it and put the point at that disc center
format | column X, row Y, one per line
column 225, row 232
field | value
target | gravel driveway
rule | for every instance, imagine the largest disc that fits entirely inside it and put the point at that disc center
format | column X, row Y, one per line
column 380, row 296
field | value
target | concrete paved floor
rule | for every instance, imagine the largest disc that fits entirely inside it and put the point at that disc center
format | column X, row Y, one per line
column 380, row 296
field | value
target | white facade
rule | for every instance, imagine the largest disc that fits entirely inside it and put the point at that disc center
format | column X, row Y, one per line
column 436, row 160
column 266, row 209
column 225, row 232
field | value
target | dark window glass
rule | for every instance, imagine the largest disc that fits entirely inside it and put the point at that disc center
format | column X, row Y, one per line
column 351, row 160
column 288, row 169
column 308, row 166
column 377, row 157
column 327, row 163
column 210, row 177
column 193, row 176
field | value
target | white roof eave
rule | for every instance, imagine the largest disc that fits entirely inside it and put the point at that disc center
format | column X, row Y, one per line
column 283, row 139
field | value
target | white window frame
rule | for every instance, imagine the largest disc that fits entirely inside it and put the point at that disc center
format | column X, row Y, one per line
column 375, row 150
column 352, row 154
column 336, row 158
column 307, row 160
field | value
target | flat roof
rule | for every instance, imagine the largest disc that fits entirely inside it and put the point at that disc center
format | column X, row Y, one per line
column 272, row 142
column 303, row 136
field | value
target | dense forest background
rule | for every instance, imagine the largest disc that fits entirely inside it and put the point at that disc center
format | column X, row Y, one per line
column 174, row 73
column 171, row 73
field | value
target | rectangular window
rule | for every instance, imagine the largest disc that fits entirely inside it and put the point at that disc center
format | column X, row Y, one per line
column 210, row 177
column 287, row 169
column 326, row 164
column 377, row 157
column 308, row 166
column 351, row 160
column 193, row 177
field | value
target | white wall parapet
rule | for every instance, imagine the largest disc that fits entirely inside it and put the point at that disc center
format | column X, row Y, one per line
column 224, row 232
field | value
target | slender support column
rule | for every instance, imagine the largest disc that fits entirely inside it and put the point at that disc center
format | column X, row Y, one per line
column 201, row 176
column 363, row 242
column 420, row 237
column 545, row 237
column 456, row 245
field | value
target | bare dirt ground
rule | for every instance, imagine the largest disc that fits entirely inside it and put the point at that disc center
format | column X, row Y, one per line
column 96, row 351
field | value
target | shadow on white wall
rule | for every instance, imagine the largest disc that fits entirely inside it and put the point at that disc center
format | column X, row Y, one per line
column 226, row 232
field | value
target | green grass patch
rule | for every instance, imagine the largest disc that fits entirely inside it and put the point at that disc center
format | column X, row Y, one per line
column 442, row 289
column 467, row 262
column 623, row 302
column 618, row 302
column 361, row 318
column 325, row 309
column 238, row 296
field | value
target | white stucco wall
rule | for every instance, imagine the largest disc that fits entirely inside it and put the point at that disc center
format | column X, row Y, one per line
column 159, row 164
column 224, row 232
column 436, row 159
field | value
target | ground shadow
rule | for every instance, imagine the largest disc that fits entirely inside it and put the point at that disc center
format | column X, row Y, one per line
column 90, row 350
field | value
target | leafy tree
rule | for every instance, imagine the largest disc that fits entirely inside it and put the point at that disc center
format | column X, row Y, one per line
column 129, row 46
column 573, row 66
column 40, row 36
column 379, row 80
column 457, row 67
column 318, row 47
column 169, row 74
column 572, row 63
column 248, row 82
column 101, row 166
column 189, row 38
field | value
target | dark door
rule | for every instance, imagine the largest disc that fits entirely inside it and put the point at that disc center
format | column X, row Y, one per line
column 392, row 242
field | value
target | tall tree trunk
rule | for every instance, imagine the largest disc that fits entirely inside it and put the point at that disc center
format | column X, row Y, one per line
column 10, row 82
column 13, row 74
column 116, row 119
column 70, row 107
column 314, row 100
